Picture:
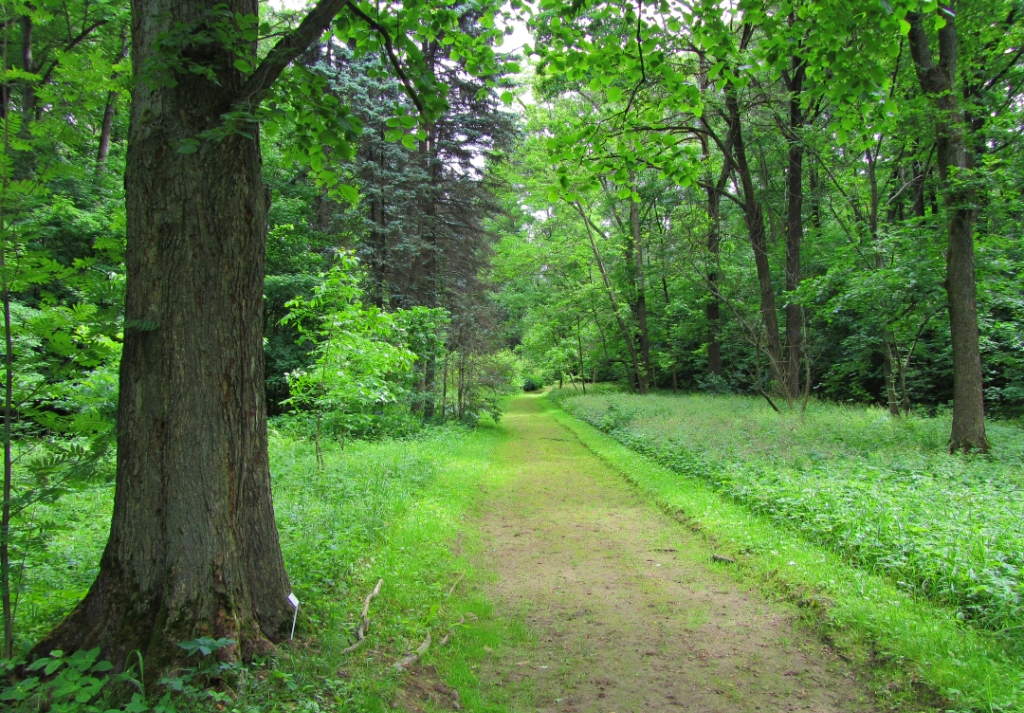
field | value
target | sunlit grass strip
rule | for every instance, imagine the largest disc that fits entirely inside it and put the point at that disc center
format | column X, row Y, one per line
column 394, row 511
column 969, row 667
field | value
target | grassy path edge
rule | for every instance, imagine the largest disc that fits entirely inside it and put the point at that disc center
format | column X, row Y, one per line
column 909, row 645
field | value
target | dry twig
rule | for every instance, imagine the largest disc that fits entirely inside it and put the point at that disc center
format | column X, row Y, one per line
column 364, row 621
column 414, row 657
column 456, row 584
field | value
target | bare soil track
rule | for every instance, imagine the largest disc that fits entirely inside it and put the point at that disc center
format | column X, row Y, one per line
column 628, row 611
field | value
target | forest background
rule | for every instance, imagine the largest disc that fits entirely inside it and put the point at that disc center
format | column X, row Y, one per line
column 667, row 197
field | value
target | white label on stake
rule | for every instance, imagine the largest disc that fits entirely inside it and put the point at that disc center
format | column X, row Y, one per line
column 295, row 617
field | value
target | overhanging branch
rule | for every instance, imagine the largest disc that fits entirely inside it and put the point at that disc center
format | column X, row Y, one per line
column 288, row 48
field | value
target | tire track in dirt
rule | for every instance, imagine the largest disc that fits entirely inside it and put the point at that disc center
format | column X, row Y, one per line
column 627, row 610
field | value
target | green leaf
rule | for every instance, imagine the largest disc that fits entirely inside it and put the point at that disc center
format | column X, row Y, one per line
column 242, row 66
column 613, row 94
column 506, row 98
column 409, row 142
column 347, row 192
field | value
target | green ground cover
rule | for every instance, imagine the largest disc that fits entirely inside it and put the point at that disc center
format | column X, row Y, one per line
column 387, row 510
column 908, row 647
column 881, row 491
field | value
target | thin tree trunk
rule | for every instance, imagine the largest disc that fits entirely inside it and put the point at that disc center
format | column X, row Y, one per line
column 939, row 80
column 712, row 309
column 890, row 369
column 579, row 346
column 5, row 518
column 626, row 335
column 919, row 170
column 641, row 295
column 794, row 227
column 814, row 188
column 28, row 98
column 107, row 128
column 444, row 388
column 758, row 242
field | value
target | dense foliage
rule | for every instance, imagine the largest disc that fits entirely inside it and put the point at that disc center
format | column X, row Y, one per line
column 799, row 200
column 351, row 350
column 753, row 205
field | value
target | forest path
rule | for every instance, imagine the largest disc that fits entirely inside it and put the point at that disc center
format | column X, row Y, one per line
column 626, row 609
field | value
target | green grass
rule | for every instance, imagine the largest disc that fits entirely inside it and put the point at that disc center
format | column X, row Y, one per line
column 390, row 510
column 875, row 493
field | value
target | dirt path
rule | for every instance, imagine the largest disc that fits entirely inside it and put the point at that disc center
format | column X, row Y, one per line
column 627, row 610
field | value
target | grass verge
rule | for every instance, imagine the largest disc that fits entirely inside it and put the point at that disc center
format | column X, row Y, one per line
column 418, row 549
column 390, row 510
column 877, row 624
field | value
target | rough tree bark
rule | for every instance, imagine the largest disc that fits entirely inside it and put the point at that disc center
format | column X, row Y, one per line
column 193, row 547
column 939, row 81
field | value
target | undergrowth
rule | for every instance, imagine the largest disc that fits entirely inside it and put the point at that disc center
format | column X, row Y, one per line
column 378, row 511
column 882, row 491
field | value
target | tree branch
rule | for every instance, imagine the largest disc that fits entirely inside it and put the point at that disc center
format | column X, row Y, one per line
column 390, row 49
column 72, row 43
column 288, row 48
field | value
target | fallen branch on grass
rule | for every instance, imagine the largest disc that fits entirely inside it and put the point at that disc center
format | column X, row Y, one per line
column 414, row 657
column 456, row 584
column 364, row 621
column 446, row 637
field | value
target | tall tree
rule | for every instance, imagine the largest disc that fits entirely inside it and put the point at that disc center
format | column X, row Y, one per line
column 938, row 80
column 193, row 547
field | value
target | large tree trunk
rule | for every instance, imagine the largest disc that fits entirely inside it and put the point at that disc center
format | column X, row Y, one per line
column 193, row 548
column 939, row 80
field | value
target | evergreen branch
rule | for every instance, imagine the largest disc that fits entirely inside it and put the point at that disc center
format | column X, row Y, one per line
column 389, row 48
column 294, row 43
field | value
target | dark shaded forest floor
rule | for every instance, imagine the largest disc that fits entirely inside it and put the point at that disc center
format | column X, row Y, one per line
column 627, row 610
